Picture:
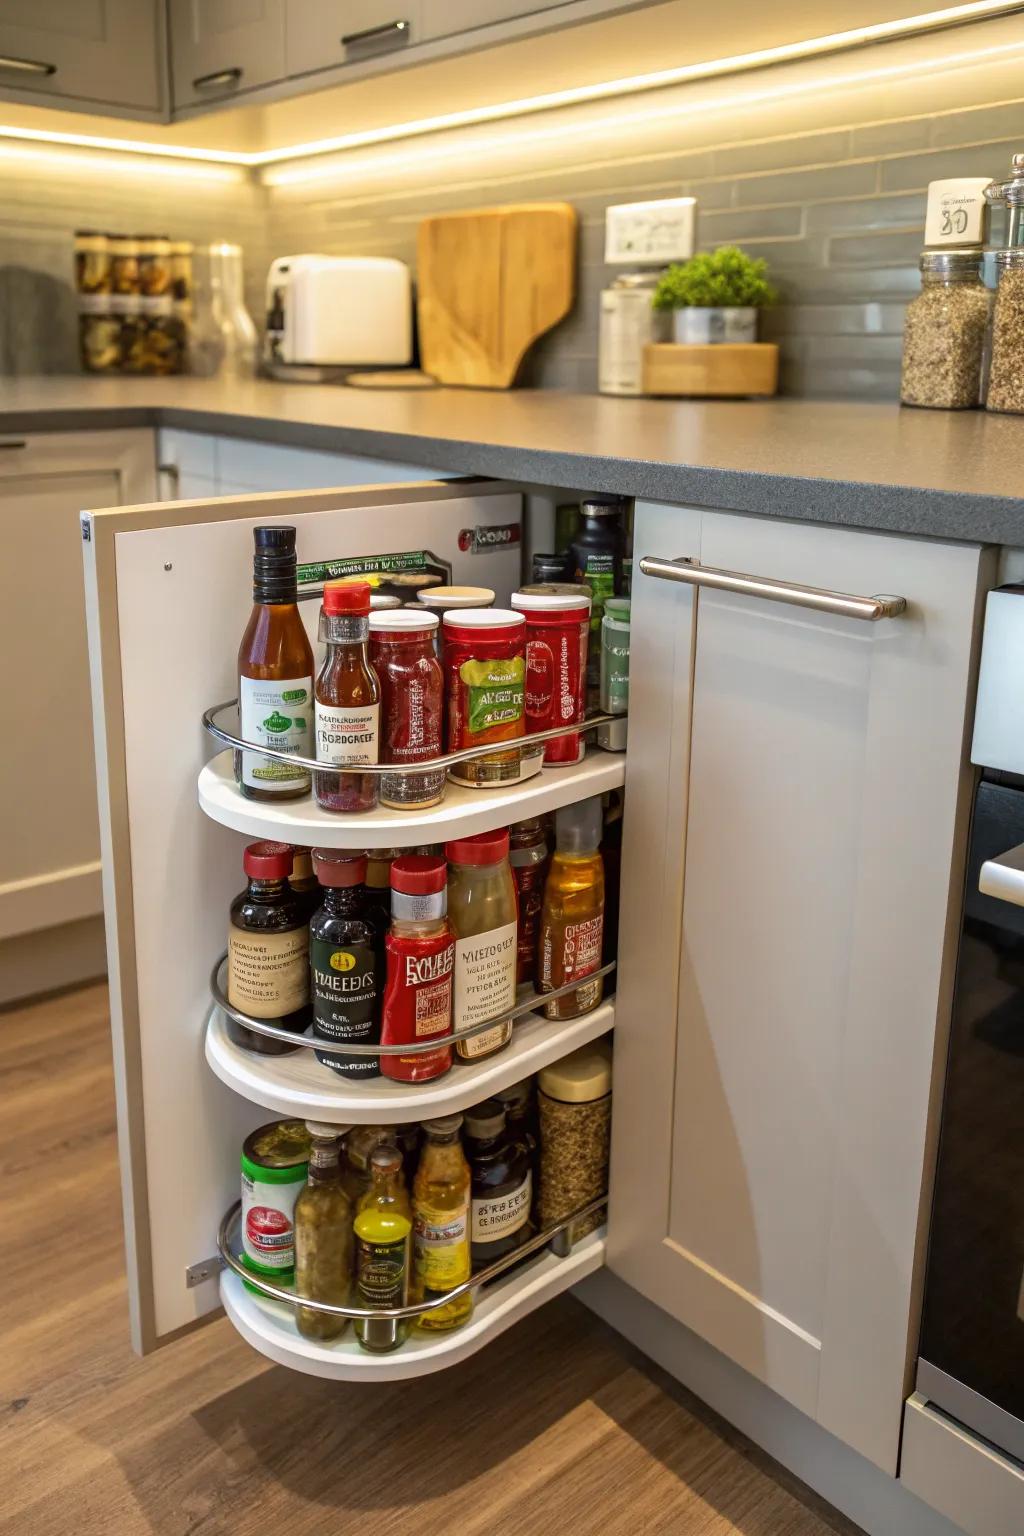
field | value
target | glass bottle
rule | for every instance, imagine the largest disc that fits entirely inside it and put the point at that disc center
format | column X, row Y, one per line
column 275, row 674
column 572, row 918
column 501, row 1188
column 360, row 1144
column 482, row 913
column 420, row 960
column 403, row 653
column 233, row 339
column 347, row 700
column 440, row 1201
column 346, row 978
column 383, row 1231
column 1006, row 376
column 520, row 1108
column 268, row 951
column 528, row 858
column 597, row 559
column 944, row 332
column 323, row 1236
column 303, row 881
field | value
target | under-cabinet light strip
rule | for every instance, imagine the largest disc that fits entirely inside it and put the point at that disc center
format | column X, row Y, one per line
column 830, row 43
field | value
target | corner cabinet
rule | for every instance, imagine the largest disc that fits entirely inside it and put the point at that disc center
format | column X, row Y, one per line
column 792, row 859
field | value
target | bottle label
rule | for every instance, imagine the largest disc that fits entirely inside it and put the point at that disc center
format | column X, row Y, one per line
column 485, row 985
column 268, row 1222
column 347, row 735
column 345, row 988
column 433, row 1007
column 497, row 1216
column 382, row 1272
column 495, row 692
column 599, row 576
column 582, row 952
column 268, row 973
column 275, row 714
column 441, row 1240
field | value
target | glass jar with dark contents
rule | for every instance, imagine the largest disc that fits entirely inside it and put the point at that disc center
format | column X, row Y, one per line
column 502, row 1184
column 268, row 951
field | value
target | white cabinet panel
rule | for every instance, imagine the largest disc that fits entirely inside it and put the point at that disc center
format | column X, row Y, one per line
column 443, row 18
column 97, row 50
column 796, row 1003
column 317, row 34
column 221, row 47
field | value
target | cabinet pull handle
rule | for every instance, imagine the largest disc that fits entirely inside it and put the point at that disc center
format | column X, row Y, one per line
column 26, row 66
column 173, row 474
column 391, row 35
column 219, row 77
column 842, row 603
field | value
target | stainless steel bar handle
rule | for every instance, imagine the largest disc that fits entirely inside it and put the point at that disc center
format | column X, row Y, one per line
column 219, row 77
column 26, row 66
column 844, row 604
column 391, row 35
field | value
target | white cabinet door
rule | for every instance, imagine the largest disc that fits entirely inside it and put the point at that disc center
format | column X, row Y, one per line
column 49, row 866
column 106, row 51
column 785, row 957
column 348, row 31
column 222, row 47
column 443, row 18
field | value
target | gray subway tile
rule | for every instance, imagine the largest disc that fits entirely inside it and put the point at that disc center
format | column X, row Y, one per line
column 866, row 319
column 897, row 211
column 899, row 248
column 976, row 125
column 804, row 186
column 891, row 138
column 751, row 224
column 904, row 172
column 781, row 154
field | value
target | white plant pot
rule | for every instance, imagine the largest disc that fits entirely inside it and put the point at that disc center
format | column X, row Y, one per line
column 704, row 327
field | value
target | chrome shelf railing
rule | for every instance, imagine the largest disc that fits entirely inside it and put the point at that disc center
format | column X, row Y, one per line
column 526, row 1005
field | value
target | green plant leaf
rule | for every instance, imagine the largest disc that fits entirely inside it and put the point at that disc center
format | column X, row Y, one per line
column 724, row 279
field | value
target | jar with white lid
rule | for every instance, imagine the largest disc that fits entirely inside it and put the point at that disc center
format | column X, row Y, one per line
column 557, row 637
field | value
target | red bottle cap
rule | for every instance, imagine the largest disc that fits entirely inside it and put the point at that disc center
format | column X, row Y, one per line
column 419, row 874
column 483, row 848
column 335, row 868
column 268, row 861
column 351, row 598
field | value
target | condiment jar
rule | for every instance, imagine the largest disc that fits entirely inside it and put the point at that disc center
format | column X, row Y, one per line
column 944, row 332
column 614, row 672
column 324, row 1250
column 440, row 599
column 528, row 858
column 420, row 962
column 501, row 1184
column 404, row 657
column 1006, row 377
column 485, row 672
column 268, row 951
column 574, row 1103
column 557, row 633
column 482, row 913
column 275, row 1160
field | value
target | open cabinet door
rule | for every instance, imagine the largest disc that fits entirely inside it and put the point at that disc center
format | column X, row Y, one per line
column 168, row 595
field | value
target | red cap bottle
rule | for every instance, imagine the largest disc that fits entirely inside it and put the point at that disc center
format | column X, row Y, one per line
column 268, row 861
column 348, row 598
column 335, row 868
column 482, row 848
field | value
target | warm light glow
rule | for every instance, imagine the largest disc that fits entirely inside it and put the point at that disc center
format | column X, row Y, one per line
column 128, row 146
column 91, row 164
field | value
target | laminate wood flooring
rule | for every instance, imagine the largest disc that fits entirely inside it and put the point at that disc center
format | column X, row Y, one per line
column 559, row 1427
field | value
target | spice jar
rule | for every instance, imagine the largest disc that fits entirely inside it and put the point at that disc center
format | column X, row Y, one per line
column 557, row 631
column 403, row 655
column 1006, row 378
column 485, row 672
column 482, row 912
column 574, row 1103
column 944, row 333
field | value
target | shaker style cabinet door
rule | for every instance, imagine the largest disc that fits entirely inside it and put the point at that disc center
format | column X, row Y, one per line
column 222, row 47
column 349, row 31
column 105, row 51
column 785, row 955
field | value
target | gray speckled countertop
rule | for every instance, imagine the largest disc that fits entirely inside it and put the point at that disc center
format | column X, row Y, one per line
column 947, row 474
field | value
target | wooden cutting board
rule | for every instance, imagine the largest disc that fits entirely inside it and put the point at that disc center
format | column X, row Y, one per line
column 489, row 283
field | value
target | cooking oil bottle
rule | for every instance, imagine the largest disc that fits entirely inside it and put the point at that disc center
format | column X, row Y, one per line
column 440, row 1201
column 382, row 1228
column 572, row 916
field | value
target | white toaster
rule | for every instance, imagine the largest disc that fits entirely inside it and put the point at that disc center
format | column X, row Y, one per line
column 339, row 311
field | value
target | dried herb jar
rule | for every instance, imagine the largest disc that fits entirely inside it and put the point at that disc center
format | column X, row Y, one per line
column 1006, row 378
column 944, row 333
column 574, row 1106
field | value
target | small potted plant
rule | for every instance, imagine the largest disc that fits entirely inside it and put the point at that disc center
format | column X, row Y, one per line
column 715, row 296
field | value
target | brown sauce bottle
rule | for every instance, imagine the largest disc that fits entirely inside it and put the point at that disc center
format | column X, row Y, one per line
column 275, row 674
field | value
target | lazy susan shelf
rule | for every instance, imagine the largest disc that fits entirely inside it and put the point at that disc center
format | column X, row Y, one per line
column 462, row 811
column 269, row 1326
column 299, row 1086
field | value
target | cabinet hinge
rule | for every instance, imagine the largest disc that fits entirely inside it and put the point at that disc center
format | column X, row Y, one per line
column 195, row 1274
column 86, row 529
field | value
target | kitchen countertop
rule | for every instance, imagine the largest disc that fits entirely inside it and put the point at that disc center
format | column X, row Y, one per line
column 948, row 474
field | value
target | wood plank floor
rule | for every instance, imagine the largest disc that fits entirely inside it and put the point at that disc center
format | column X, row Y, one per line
column 559, row 1427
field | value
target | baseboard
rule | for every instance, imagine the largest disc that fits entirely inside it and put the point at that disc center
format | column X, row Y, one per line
column 51, row 959
column 857, row 1488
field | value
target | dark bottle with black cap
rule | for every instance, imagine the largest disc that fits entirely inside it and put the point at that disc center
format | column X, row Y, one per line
column 597, row 559
column 501, row 1184
column 347, row 978
column 275, row 674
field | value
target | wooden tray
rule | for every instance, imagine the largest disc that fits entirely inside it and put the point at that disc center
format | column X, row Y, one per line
column 732, row 369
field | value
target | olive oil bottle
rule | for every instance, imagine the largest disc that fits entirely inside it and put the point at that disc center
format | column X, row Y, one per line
column 572, row 916
column 441, row 1196
column 383, row 1229
column 323, row 1236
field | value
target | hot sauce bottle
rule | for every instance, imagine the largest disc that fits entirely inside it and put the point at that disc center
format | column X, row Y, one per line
column 420, row 963
column 347, row 700
column 275, row 674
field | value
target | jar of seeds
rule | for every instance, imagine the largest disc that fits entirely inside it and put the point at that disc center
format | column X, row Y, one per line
column 1006, row 377
column 944, row 333
column 574, row 1106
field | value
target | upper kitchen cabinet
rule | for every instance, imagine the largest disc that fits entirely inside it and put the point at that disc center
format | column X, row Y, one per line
column 220, row 48
column 445, row 18
column 797, row 795
column 349, row 32
column 101, row 53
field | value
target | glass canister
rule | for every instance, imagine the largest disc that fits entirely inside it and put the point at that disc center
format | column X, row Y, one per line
column 403, row 655
column 485, row 678
column 1006, row 376
column 482, row 912
column 944, row 332
column 614, row 672
column 557, row 635
column 92, row 265
column 574, row 1105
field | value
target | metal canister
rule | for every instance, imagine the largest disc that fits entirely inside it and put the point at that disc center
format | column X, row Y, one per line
column 275, row 1161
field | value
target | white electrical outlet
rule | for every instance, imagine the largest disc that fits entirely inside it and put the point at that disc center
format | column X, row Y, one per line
column 656, row 232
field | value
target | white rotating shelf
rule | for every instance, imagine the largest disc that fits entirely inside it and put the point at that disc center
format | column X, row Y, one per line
column 269, row 1326
column 298, row 1086
column 462, row 811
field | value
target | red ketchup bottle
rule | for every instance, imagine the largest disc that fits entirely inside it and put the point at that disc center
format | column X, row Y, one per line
column 420, row 964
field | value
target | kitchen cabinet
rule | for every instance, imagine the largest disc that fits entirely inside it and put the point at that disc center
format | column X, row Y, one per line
column 444, row 18
column 793, row 842
column 50, row 869
column 348, row 31
column 220, row 48
column 108, row 52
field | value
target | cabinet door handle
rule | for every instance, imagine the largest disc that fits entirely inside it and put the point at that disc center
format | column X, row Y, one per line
column 391, row 35
column 842, row 603
column 26, row 66
column 219, row 77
